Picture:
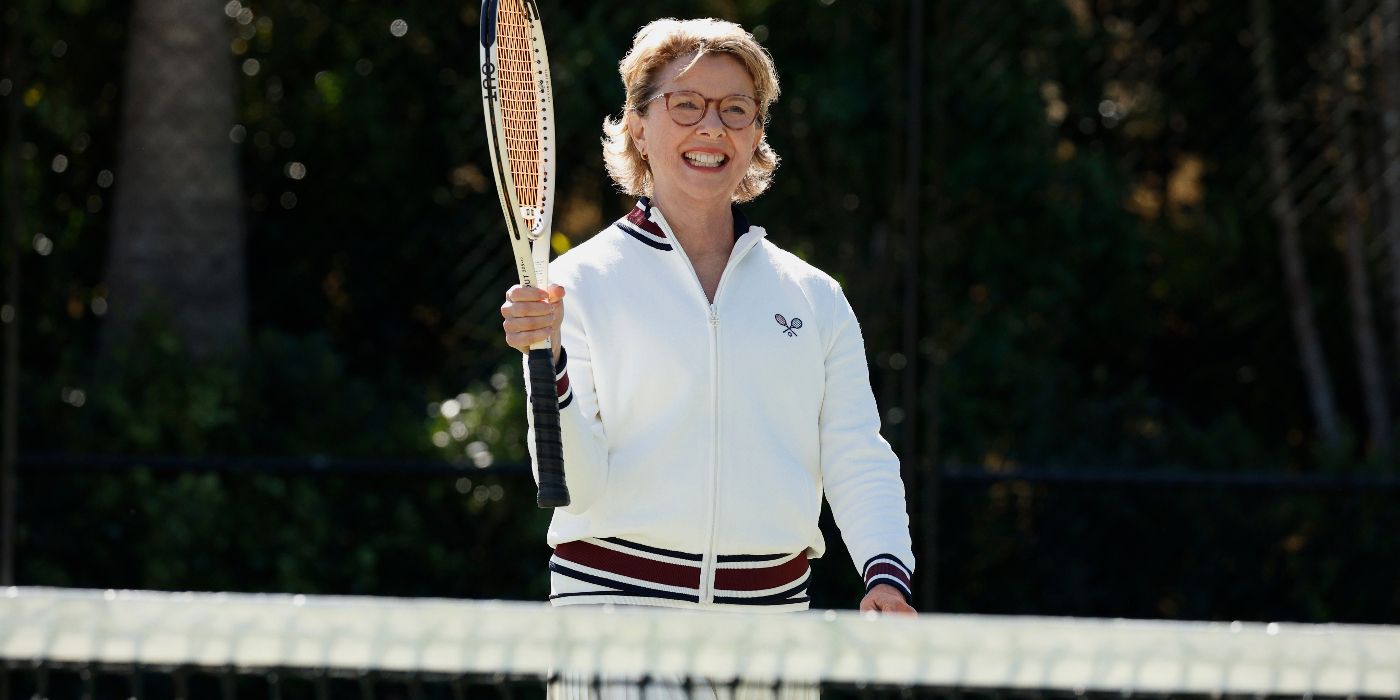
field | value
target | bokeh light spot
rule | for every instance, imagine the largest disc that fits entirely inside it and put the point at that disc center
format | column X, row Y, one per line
column 43, row 245
column 364, row 66
column 328, row 84
column 450, row 408
column 7, row 314
column 296, row 171
column 251, row 67
column 99, row 306
column 73, row 397
column 560, row 243
column 60, row 163
column 398, row 27
column 232, row 8
column 288, row 200
column 105, row 179
column 238, row 133
column 60, row 49
column 469, row 176
column 5, row 87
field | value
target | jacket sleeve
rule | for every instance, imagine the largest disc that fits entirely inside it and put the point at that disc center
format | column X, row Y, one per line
column 580, row 426
column 860, row 472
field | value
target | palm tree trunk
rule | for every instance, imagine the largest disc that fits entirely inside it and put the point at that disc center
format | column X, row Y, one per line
column 1314, row 364
column 1348, row 205
column 177, row 242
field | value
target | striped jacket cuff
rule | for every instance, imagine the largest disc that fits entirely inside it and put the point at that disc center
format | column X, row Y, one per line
column 561, row 379
column 887, row 568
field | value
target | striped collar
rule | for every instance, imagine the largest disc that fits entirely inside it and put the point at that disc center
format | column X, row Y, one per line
column 642, row 223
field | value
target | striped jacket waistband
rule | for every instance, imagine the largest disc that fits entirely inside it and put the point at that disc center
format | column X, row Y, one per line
column 612, row 566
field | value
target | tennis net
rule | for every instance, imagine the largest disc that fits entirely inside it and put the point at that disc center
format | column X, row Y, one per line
column 57, row 643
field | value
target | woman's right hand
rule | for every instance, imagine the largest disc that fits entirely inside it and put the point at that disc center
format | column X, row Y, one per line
column 532, row 315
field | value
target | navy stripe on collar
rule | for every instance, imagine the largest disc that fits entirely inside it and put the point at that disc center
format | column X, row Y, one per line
column 649, row 240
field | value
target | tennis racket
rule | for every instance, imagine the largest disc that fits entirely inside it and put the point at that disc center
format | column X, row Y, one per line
column 519, row 107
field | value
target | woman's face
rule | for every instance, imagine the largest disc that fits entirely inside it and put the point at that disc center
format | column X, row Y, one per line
column 683, row 158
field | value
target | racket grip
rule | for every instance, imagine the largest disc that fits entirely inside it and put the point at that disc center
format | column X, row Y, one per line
column 549, row 447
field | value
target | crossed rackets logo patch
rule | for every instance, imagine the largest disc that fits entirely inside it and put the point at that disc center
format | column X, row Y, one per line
column 789, row 327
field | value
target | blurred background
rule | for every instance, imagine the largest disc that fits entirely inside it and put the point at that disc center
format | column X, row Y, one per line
column 1128, row 271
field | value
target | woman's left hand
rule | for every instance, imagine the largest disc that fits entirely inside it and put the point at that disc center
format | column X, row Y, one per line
column 886, row 599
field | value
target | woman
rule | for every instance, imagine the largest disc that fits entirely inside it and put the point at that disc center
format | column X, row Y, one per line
column 712, row 387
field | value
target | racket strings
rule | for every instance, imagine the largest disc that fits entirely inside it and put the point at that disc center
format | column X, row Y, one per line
column 519, row 99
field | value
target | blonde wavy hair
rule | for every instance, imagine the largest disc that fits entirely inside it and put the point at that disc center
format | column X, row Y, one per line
column 655, row 46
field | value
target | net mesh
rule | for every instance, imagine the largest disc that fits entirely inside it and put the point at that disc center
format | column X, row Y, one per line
column 518, row 68
column 145, row 644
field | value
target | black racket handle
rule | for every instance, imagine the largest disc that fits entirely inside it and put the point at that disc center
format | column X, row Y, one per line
column 549, row 447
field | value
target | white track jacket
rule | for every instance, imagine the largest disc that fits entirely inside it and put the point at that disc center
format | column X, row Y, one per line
column 699, row 438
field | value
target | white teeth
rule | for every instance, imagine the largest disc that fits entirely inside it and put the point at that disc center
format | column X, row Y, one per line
column 708, row 160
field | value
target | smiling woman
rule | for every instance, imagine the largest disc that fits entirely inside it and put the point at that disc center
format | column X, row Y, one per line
column 712, row 386
column 663, row 44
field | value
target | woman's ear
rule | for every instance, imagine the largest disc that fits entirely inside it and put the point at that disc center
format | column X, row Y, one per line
column 636, row 129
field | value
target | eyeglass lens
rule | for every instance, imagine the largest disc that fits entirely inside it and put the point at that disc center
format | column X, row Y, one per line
column 688, row 108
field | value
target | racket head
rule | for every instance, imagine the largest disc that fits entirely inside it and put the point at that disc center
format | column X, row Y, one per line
column 518, row 103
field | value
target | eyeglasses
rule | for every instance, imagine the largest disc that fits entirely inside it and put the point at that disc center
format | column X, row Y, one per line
column 687, row 108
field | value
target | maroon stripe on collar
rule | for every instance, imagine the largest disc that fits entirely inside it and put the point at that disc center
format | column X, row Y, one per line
column 638, row 217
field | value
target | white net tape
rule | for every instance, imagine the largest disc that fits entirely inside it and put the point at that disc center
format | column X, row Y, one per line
column 62, row 626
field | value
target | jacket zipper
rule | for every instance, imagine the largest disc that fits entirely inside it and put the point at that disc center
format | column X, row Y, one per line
column 708, row 556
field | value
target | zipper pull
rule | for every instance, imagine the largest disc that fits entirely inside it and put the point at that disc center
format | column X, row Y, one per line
column 714, row 315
